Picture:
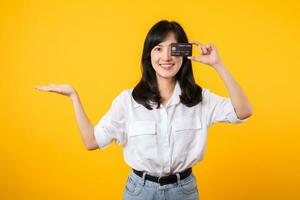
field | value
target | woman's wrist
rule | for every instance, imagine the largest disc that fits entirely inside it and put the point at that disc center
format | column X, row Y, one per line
column 218, row 66
column 74, row 96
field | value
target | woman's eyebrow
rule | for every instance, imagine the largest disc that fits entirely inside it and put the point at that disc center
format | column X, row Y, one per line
column 160, row 45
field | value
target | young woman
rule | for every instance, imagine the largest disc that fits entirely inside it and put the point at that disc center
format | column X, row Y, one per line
column 162, row 123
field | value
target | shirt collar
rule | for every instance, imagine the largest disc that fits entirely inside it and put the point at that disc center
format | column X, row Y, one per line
column 174, row 99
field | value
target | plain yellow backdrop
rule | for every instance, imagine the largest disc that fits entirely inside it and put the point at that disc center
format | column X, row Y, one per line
column 96, row 46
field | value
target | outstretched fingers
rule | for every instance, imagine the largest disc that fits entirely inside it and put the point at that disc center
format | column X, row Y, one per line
column 48, row 88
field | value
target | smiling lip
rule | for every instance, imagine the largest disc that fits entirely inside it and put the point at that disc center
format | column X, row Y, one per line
column 166, row 66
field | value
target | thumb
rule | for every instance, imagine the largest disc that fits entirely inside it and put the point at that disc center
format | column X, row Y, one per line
column 197, row 59
column 202, row 59
column 194, row 58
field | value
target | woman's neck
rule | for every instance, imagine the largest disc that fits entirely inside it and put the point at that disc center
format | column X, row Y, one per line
column 166, row 88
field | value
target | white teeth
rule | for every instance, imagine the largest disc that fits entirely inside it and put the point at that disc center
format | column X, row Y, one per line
column 167, row 66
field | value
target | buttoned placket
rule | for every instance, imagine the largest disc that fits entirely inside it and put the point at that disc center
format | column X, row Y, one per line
column 165, row 140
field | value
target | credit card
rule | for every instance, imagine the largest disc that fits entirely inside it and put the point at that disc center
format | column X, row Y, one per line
column 181, row 49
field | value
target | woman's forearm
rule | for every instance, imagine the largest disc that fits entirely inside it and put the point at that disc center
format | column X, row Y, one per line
column 239, row 100
column 85, row 126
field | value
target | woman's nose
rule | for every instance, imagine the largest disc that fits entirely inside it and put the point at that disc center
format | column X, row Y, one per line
column 167, row 54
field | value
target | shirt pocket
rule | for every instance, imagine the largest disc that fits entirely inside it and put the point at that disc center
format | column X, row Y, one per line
column 138, row 128
column 186, row 133
column 143, row 139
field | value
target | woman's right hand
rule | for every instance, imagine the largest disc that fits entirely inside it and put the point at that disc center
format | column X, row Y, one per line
column 85, row 126
column 63, row 89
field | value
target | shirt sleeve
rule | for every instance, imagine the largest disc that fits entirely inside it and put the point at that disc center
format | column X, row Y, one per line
column 219, row 109
column 112, row 125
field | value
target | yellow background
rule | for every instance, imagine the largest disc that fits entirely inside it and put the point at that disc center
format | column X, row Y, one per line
column 96, row 46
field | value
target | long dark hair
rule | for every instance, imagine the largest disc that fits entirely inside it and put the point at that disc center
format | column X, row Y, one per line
column 146, row 91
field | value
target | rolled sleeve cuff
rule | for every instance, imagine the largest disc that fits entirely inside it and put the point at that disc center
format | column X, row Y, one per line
column 102, row 139
column 233, row 118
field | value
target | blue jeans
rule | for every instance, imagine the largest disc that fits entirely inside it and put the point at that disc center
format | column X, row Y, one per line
column 138, row 188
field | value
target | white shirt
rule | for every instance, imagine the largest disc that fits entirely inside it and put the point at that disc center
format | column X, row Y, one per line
column 166, row 140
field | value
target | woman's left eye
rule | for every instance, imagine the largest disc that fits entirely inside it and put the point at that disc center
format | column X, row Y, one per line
column 157, row 49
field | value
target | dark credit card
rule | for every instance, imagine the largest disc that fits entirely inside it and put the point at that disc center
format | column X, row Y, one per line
column 181, row 49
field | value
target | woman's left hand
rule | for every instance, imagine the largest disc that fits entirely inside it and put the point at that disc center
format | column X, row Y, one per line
column 209, row 54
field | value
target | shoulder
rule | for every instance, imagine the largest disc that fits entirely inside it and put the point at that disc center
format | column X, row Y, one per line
column 124, row 97
column 205, row 93
column 125, row 93
column 210, row 98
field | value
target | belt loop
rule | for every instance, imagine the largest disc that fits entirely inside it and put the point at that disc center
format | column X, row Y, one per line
column 178, row 178
column 144, row 178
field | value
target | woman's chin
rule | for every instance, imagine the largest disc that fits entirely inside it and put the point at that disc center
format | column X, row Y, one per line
column 166, row 75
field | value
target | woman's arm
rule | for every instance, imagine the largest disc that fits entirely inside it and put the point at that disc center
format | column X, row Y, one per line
column 211, row 57
column 86, row 128
column 239, row 100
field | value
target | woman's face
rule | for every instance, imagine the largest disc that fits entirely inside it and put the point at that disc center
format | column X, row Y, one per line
column 165, row 65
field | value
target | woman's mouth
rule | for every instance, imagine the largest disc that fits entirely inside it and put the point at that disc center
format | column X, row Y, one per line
column 167, row 66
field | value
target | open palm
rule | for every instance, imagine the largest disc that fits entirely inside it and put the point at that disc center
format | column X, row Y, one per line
column 63, row 89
